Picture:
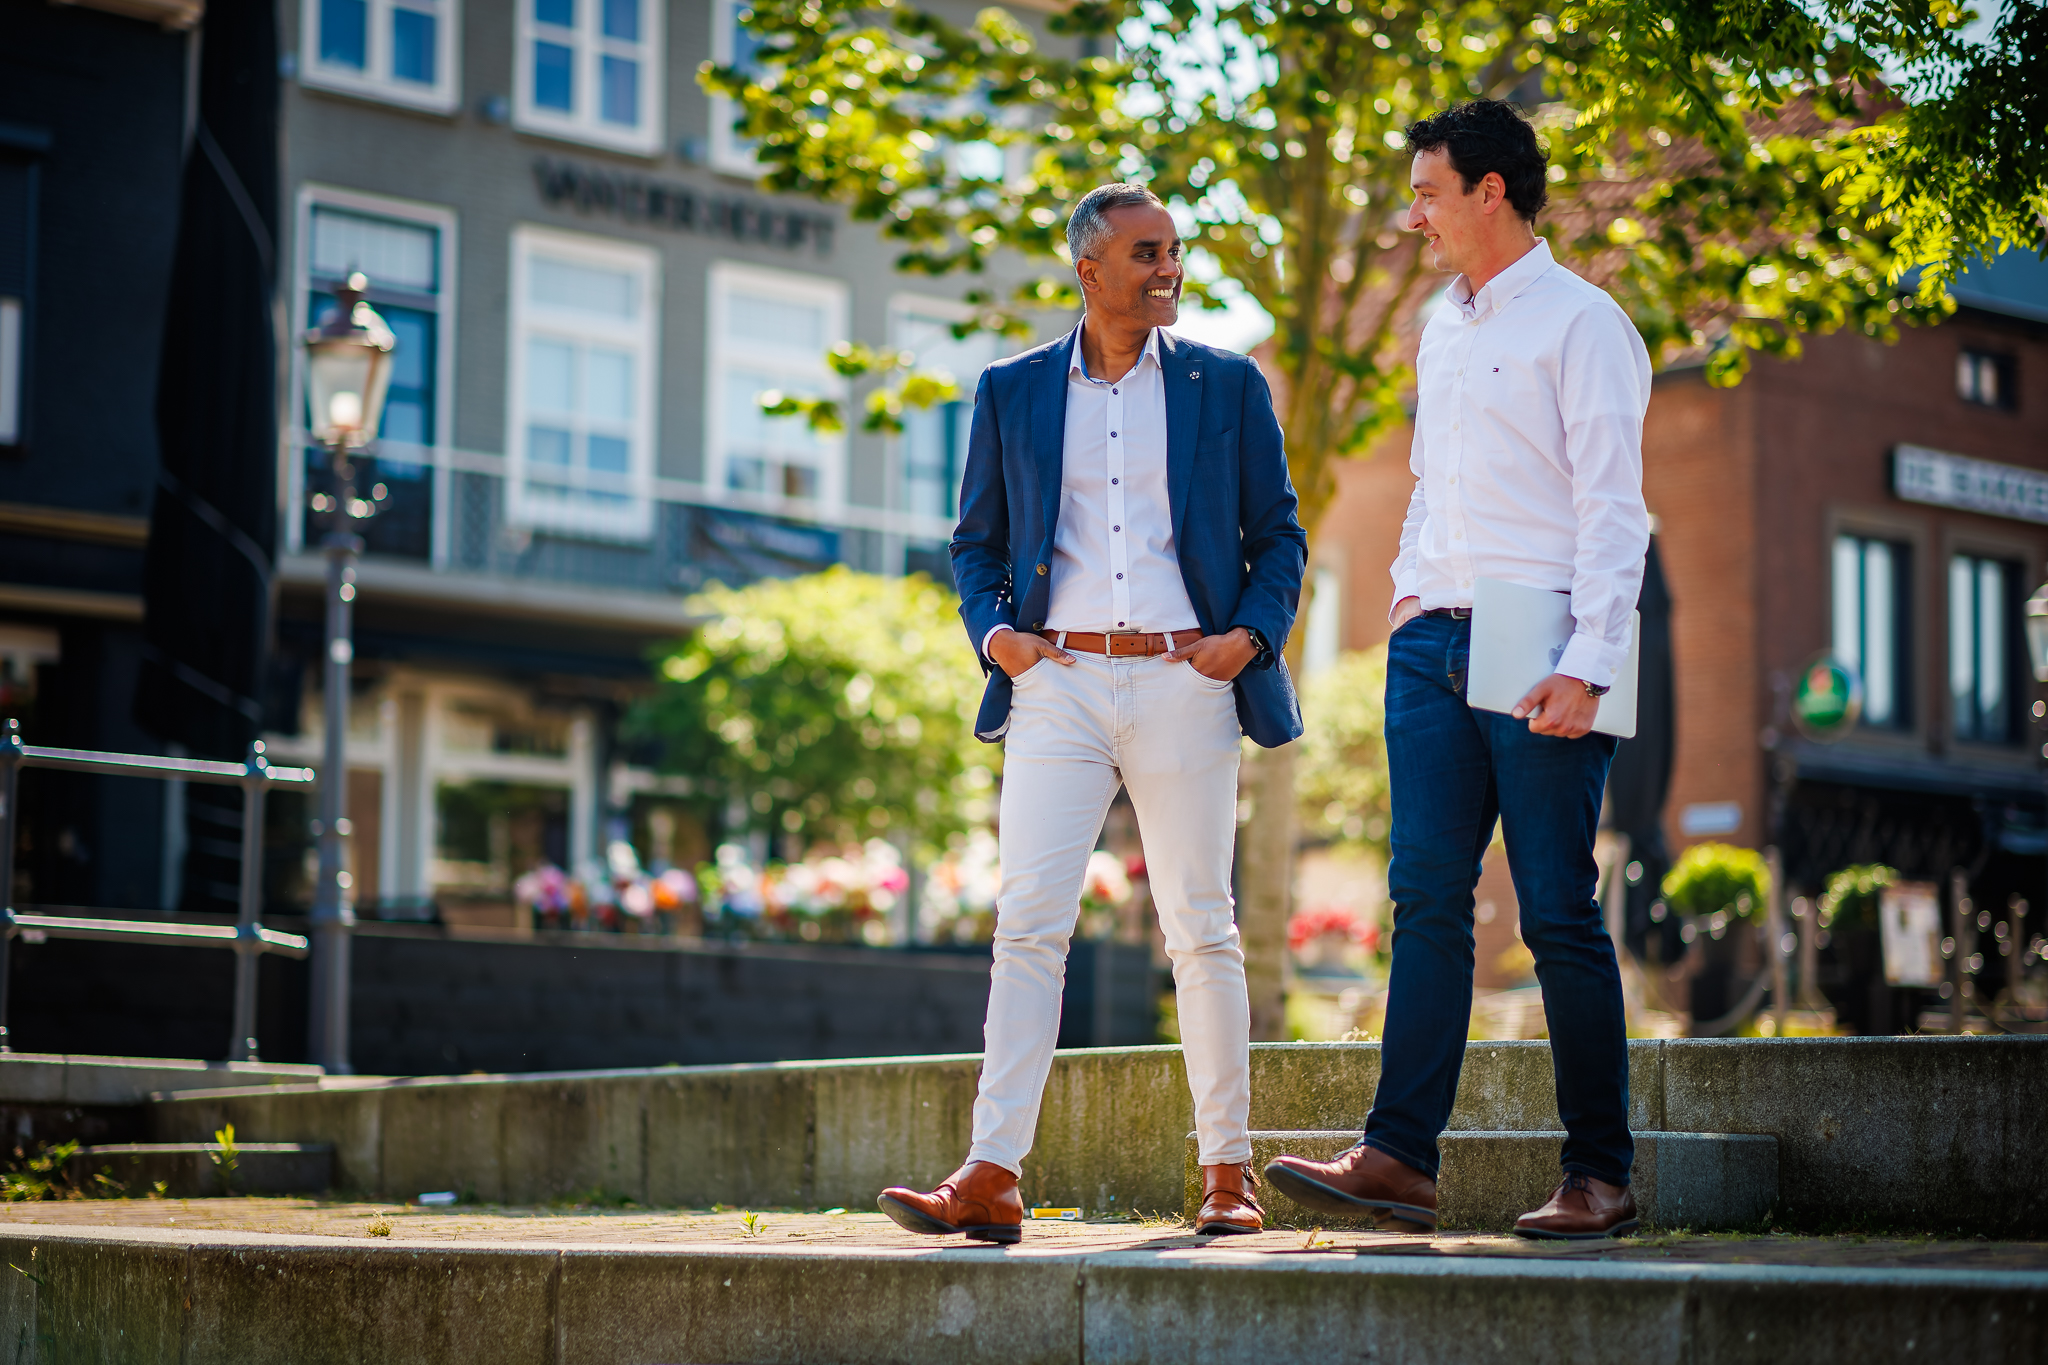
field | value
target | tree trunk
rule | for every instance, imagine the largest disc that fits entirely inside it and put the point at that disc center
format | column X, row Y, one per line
column 1265, row 879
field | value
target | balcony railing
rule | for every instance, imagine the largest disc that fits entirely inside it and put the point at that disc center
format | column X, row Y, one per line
column 449, row 508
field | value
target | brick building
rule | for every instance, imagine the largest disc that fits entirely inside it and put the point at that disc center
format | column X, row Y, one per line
column 1883, row 505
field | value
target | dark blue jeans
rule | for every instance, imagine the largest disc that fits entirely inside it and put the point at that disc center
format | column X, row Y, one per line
column 1451, row 772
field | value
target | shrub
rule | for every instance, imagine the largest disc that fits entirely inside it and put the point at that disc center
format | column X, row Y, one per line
column 1852, row 895
column 1710, row 878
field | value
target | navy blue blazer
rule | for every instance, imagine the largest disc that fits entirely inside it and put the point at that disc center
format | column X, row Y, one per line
column 1242, row 552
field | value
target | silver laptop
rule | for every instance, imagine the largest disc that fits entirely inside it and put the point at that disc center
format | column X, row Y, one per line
column 1519, row 634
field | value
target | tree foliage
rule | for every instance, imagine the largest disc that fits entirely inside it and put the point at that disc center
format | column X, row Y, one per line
column 1340, row 777
column 833, row 706
column 1700, row 160
column 1709, row 879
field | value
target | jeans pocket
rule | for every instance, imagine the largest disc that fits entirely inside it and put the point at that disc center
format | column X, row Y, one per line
column 1213, row 684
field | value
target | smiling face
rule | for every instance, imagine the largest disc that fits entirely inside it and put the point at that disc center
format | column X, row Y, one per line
column 1136, row 275
column 1459, row 220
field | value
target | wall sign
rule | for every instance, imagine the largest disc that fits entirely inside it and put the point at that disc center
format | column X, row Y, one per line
column 640, row 200
column 1826, row 700
column 1943, row 480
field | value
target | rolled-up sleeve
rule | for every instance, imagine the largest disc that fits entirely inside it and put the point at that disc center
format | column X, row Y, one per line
column 1603, row 393
column 1406, row 576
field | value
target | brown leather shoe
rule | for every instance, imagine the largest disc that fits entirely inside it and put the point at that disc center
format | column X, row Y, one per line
column 979, row 1201
column 1360, row 1179
column 1582, row 1209
column 1230, row 1200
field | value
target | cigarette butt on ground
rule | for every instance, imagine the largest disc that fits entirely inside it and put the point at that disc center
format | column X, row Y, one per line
column 1061, row 1215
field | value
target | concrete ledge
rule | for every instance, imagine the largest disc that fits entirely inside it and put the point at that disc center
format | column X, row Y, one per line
column 1702, row 1181
column 59, row 1078
column 187, row 1170
column 1887, row 1133
column 160, row 1297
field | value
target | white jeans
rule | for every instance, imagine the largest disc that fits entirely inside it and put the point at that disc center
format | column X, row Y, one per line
column 1170, row 736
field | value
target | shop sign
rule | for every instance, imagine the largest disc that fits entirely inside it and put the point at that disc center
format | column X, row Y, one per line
column 637, row 199
column 1827, row 700
column 1944, row 480
column 1909, row 916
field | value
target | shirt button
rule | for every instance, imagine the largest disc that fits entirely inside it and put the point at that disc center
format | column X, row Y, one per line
column 1112, row 433
column 1454, row 478
column 1117, row 391
column 1116, row 528
column 1113, row 481
column 1119, row 575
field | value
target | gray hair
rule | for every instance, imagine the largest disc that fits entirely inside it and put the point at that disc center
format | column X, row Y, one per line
column 1088, row 229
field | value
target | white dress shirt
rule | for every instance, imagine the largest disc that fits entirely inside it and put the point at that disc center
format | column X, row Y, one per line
column 1114, row 563
column 1528, row 455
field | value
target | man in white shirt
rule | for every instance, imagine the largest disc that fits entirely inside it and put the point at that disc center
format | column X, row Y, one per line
column 1531, row 389
column 1129, row 564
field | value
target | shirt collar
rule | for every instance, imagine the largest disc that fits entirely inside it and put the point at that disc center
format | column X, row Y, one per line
column 1078, row 364
column 1503, row 287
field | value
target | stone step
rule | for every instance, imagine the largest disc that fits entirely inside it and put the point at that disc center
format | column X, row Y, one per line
column 1704, row 1182
column 192, row 1170
column 152, row 1295
column 1936, row 1134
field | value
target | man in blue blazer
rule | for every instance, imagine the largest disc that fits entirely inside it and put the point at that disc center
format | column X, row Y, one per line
column 1129, row 564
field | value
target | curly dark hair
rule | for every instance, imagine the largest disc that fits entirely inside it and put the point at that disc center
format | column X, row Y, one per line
column 1488, row 135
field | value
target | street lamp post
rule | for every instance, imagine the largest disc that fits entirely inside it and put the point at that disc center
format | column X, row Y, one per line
column 348, row 370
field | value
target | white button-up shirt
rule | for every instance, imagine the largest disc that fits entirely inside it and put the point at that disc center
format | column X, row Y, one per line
column 1528, row 454
column 1114, row 563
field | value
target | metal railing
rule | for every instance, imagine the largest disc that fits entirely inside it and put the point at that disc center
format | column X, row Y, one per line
column 248, row 938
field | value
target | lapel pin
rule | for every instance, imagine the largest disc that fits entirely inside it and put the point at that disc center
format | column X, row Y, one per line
column 1194, row 374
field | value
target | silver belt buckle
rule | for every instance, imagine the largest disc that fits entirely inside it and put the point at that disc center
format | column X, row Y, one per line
column 1109, row 648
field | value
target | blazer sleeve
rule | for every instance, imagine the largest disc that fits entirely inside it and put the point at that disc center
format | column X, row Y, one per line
column 1274, row 545
column 981, row 542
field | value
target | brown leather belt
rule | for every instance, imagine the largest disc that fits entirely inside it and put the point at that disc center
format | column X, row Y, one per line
column 1121, row 643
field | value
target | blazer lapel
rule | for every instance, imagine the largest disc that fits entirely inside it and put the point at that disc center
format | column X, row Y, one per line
column 1183, row 424
column 1049, row 427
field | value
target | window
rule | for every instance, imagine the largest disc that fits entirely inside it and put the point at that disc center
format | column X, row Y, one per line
column 581, row 412
column 406, row 251
column 934, row 442
column 1872, row 635
column 10, row 370
column 403, row 51
column 1983, row 649
column 18, row 184
column 731, row 45
column 590, row 70
column 1985, row 379
column 769, row 332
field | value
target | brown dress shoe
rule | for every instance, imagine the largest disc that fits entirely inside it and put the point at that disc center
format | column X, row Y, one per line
column 979, row 1201
column 1582, row 1209
column 1230, row 1201
column 1360, row 1179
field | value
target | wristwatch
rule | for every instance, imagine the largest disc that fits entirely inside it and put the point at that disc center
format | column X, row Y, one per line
column 1592, row 690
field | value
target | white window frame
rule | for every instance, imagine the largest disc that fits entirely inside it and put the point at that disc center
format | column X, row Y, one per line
column 901, row 308
column 729, row 153
column 1851, row 595
column 443, row 220
column 634, row 521
column 582, row 123
column 722, row 350
column 376, row 81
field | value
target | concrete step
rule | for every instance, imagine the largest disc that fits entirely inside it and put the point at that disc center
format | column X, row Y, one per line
column 1937, row 1134
column 154, row 1295
column 1704, row 1182
column 192, row 1170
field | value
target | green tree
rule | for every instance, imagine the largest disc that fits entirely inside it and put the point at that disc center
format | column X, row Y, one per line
column 1957, row 161
column 835, row 705
column 1274, row 129
column 1340, row 778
